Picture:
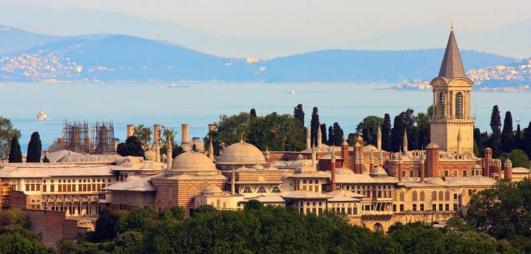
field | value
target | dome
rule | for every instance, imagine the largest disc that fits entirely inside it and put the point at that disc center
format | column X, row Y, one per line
column 193, row 161
column 344, row 171
column 432, row 145
column 241, row 153
column 210, row 190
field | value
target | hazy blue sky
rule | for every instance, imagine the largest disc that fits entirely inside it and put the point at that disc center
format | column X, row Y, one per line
column 326, row 20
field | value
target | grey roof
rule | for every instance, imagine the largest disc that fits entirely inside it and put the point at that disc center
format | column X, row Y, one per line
column 42, row 170
column 133, row 183
column 452, row 66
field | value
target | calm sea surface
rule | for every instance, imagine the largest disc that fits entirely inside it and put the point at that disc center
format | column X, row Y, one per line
column 201, row 103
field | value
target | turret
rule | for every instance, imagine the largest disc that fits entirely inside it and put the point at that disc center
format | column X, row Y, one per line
column 432, row 160
column 185, row 137
column 422, row 168
column 309, row 137
column 169, row 153
column 156, row 142
column 404, row 142
column 487, row 158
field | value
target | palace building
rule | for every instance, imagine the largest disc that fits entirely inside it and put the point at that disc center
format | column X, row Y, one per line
column 372, row 187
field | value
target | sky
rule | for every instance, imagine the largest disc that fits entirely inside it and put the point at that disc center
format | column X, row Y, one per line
column 330, row 22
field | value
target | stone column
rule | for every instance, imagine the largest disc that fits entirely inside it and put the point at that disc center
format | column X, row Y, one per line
column 185, row 137
column 309, row 137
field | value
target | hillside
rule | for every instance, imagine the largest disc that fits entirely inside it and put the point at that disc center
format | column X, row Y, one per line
column 116, row 58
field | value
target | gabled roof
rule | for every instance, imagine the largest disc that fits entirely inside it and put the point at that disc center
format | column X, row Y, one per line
column 452, row 66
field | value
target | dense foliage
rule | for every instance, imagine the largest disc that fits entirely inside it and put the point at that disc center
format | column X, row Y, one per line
column 272, row 131
column 131, row 147
column 504, row 213
column 15, row 155
column 7, row 132
column 15, row 236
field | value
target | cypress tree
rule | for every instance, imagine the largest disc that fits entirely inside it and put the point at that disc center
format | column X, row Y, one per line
column 314, row 124
column 397, row 134
column 331, row 137
column 495, row 138
column 323, row 134
column 518, row 138
column 386, row 133
column 252, row 113
column 298, row 113
column 526, row 141
column 15, row 155
column 507, row 139
column 478, row 145
column 34, row 148
column 338, row 134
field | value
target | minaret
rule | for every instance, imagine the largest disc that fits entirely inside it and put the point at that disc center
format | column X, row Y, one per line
column 319, row 137
column 379, row 139
column 156, row 142
column 422, row 168
column 404, row 142
column 309, row 137
column 372, row 167
column 333, row 168
column 233, row 181
column 314, row 157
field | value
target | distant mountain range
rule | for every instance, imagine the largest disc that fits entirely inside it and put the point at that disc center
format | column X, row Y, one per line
column 25, row 56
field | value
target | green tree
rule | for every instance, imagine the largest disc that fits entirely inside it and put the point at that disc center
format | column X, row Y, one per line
column 478, row 145
column 252, row 113
column 34, row 148
column 507, row 139
column 368, row 127
column 131, row 147
column 7, row 132
column 526, row 142
column 106, row 228
column 15, row 155
column 324, row 139
column 518, row 138
column 519, row 158
column 143, row 134
column 315, row 125
column 416, row 237
column 253, row 204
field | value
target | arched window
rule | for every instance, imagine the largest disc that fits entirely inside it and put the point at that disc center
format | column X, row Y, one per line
column 414, row 196
column 459, row 106
column 441, row 196
column 422, row 196
column 276, row 190
column 401, row 196
column 247, row 190
column 447, row 196
column 434, row 196
column 441, row 104
column 261, row 190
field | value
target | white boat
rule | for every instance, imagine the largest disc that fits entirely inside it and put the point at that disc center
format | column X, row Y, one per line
column 42, row 116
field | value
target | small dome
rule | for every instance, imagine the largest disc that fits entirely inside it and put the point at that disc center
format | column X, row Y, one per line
column 370, row 148
column 241, row 153
column 477, row 166
column 211, row 190
column 193, row 161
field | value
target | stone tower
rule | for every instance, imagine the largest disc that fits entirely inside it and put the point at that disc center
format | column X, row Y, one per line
column 452, row 126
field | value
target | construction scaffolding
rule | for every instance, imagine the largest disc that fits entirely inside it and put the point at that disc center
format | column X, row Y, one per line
column 76, row 136
column 103, row 133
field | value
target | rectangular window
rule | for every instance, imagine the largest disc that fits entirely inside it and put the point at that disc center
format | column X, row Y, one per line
column 447, row 207
column 414, row 207
column 401, row 207
column 52, row 188
column 27, row 187
column 38, row 187
column 422, row 207
column 394, row 207
column 440, row 207
column 455, row 207
column 44, row 188
column 434, row 207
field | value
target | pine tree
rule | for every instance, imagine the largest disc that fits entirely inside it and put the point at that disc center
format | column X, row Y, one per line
column 386, row 133
column 507, row 139
column 495, row 138
column 314, row 124
column 34, row 148
column 298, row 113
column 15, row 155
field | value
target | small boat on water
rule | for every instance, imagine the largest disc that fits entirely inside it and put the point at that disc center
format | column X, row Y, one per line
column 42, row 116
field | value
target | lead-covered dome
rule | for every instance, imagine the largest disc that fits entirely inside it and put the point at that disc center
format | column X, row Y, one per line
column 193, row 162
column 241, row 153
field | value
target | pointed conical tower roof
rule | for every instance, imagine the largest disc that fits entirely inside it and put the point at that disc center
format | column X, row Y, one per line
column 452, row 66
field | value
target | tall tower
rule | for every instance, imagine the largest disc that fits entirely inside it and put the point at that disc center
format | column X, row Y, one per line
column 452, row 126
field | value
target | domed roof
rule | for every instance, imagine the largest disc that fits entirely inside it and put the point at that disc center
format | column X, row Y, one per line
column 344, row 171
column 241, row 153
column 193, row 161
column 432, row 145
column 209, row 190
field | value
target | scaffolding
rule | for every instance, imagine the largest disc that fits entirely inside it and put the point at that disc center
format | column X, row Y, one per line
column 76, row 136
column 103, row 134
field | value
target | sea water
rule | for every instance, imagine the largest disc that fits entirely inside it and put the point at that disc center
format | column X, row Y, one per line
column 201, row 103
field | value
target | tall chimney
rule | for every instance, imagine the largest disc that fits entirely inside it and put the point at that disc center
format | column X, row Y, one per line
column 233, row 181
column 344, row 154
column 333, row 169
column 422, row 168
column 130, row 130
column 156, row 142
column 487, row 158
column 309, row 138
column 169, row 153
column 185, row 136
column 319, row 137
column 508, row 173
column 379, row 139
column 432, row 160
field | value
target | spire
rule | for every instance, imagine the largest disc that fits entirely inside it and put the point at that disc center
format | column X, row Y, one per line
column 319, row 136
column 452, row 66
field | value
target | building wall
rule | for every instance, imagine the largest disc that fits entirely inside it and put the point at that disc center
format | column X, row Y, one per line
column 51, row 226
